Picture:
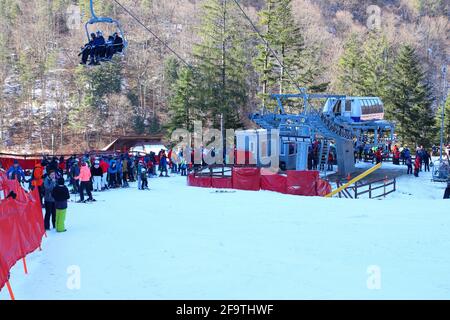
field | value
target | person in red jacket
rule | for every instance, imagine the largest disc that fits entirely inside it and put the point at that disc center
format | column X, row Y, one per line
column 330, row 161
column 417, row 166
column 105, row 166
column 378, row 156
column 396, row 157
column 38, row 181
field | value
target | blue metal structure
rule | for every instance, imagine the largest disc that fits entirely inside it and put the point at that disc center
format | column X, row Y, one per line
column 330, row 128
column 94, row 20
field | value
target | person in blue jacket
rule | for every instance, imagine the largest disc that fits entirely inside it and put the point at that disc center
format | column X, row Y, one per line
column 112, row 172
column 16, row 172
column 163, row 164
column 119, row 170
column 99, row 47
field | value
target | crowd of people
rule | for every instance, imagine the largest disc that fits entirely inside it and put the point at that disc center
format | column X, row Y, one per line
column 417, row 161
column 84, row 175
column 98, row 49
column 97, row 173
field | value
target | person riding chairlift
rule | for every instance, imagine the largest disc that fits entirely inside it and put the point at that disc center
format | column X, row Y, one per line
column 99, row 47
column 114, row 45
column 95, row 49
column 88, row 50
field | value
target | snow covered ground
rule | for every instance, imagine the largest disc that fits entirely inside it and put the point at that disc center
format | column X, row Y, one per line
column 178, row 242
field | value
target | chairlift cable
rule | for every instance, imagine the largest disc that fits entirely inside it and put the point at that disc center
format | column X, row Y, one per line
column 268, row 46
column 131, row 14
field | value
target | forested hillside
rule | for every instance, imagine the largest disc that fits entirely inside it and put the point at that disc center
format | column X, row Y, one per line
column 395, row 50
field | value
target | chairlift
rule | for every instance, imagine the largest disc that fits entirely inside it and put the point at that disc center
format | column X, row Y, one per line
column 441, row 171
column 119, row 30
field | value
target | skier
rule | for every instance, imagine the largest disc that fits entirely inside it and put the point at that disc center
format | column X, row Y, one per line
column 38, row 181
column 74, row 172
column 139, row 167
column 163, row 164
column 52, row 165
column 112, row 171
column 417, row 164
column 16, row 172
column 131, row 168
column 408, row 162
column 447, row 190
column 125, row 162
column 144, row 178
column 119, row 172
column 85, row 178
column 97, row 174
column 426, row 160
column 419, row 153
column 50, row 209
column 183, row 167
column 61, row 194
column 406, row 154
column 105, row 166
column 150, row 168
column 62, row 165
column 152, row 158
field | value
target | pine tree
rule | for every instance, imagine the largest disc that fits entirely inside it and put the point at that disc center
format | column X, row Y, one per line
column 446, row 121
column 182, row 103
column 95, row 86
column 285, row 38
column 374, row 66
column 221, row 63
column 410, row 100
column 264, row 62
column 350, row 67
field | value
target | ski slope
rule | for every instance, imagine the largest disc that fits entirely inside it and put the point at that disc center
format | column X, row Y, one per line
column 178, row 242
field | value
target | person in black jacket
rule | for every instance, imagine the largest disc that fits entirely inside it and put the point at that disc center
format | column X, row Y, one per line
column 447, row 190
column 88, row 50
column 61, row 194
column 118, row 43
column 97, row 174
column 426, row 160
column 49, row 201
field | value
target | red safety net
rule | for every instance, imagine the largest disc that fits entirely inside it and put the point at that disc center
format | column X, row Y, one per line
column 274, row 182
column 203, row 182
column 323, row 187
column 302, row 183
column 246, row 178
column 222, row 183
column 21, row 225
column 28, row 164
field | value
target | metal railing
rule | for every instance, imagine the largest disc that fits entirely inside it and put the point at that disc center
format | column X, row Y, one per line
column 371, row 188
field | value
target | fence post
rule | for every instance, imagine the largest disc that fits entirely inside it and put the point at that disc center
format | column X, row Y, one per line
column 370, row 191
column 11, row 294
column 338, row 184
column 25, row 265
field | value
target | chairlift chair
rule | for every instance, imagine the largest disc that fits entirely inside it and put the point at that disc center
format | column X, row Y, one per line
column 441, row 171
column 96, row 20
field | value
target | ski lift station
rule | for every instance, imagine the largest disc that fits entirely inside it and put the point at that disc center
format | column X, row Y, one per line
column 340, row 122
